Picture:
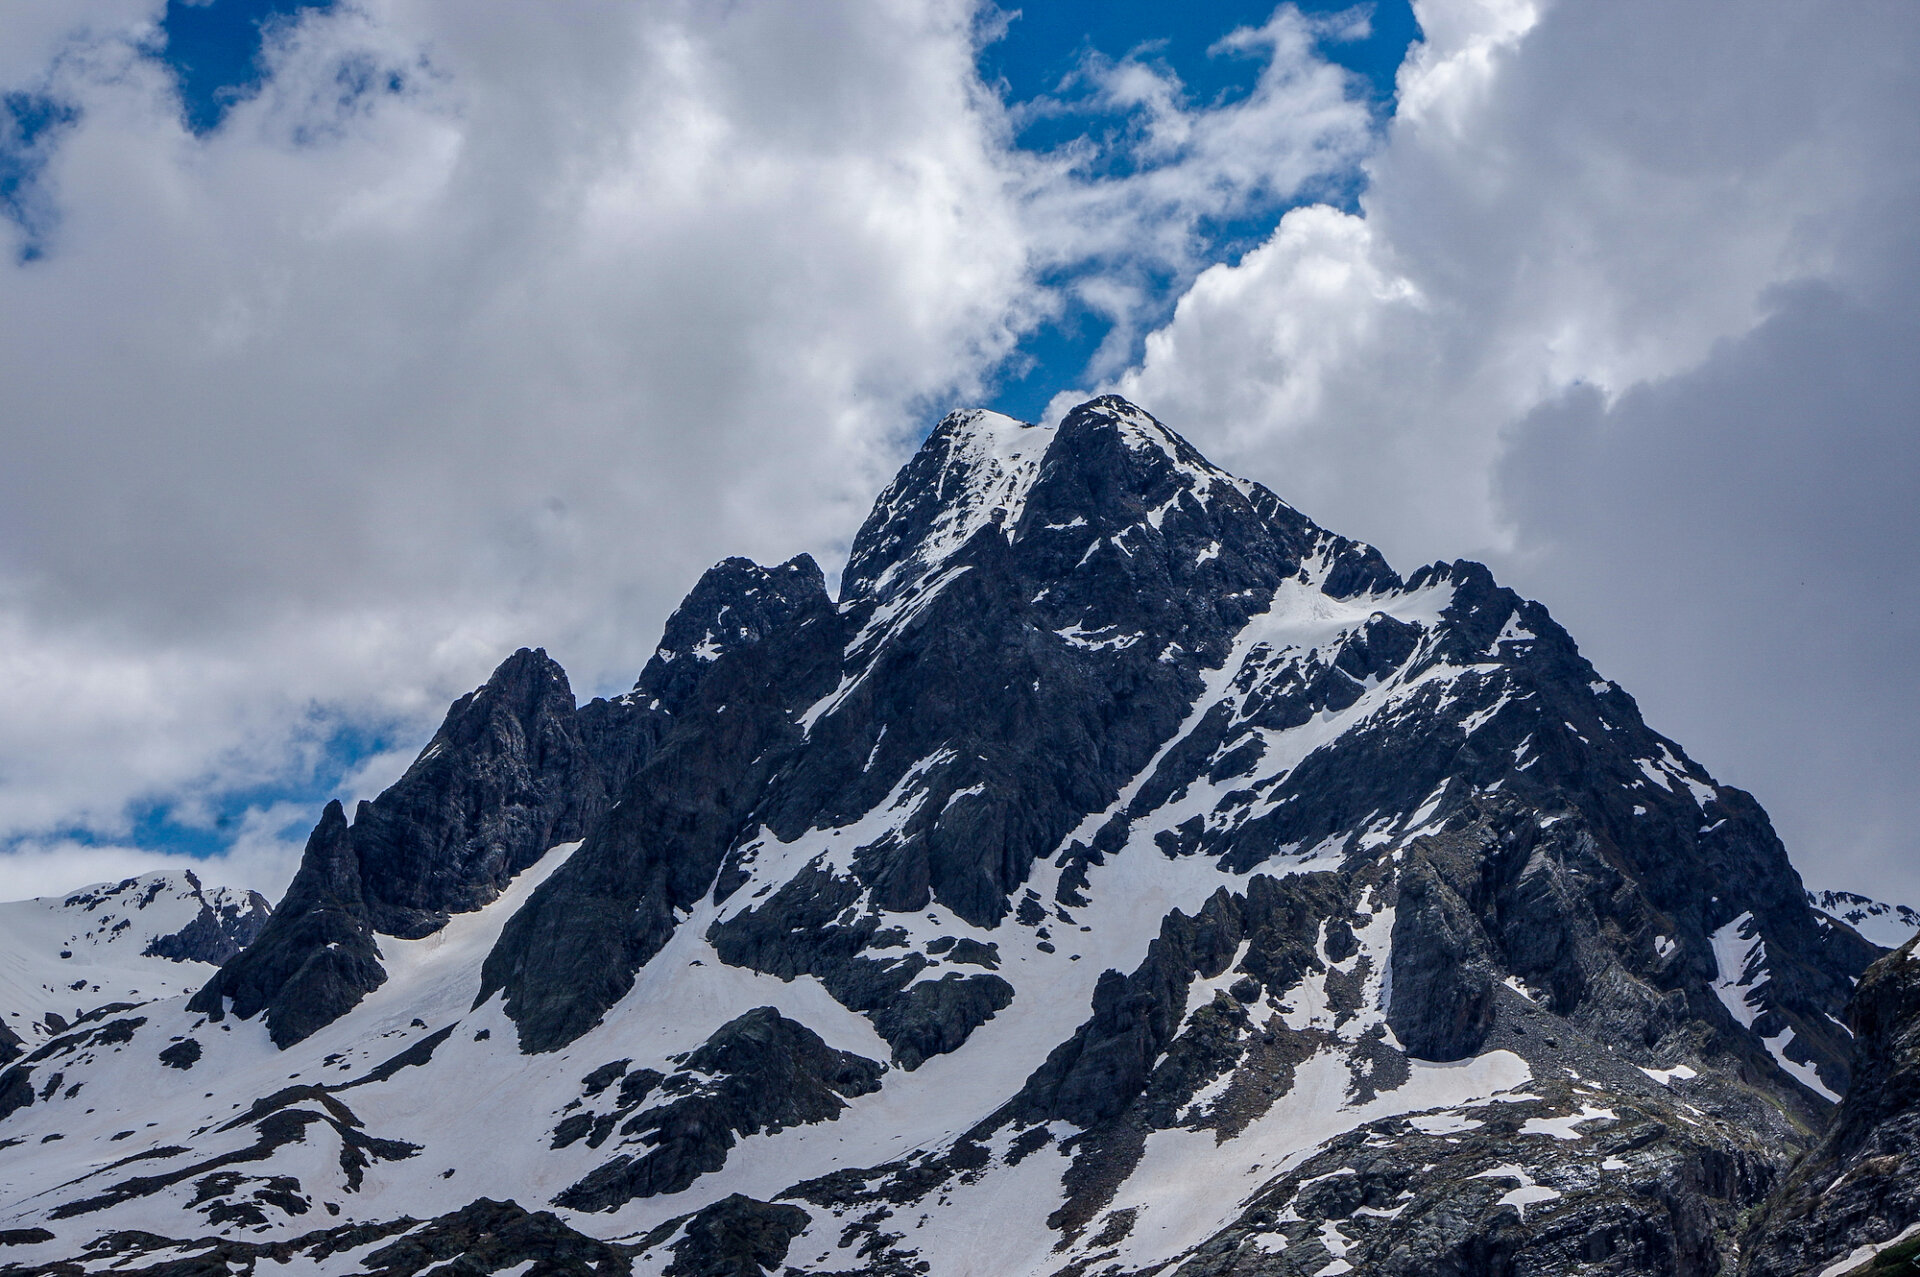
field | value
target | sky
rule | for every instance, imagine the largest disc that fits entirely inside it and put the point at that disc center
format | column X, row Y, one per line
column 346, row 347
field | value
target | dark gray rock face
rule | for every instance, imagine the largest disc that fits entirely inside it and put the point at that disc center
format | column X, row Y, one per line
column 218, row 933
column 759, row 1072
column 181, row 1055
column 317, row 958
column 572, row 950
column 488, row 1237
column 799, row 932
column 1110, row 1062
column 1861, row 1185
column 513, row 770
column 506, row 777
column 16, row 1090
column 1442, row 973
column 736, row 604
column 1394, row 1200
column 1108, row 544
column 735, row 1237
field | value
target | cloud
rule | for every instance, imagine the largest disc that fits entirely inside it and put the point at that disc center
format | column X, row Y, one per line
column 261, row 855
column 474, row 329
column 1623, row 310
column 1134, row 199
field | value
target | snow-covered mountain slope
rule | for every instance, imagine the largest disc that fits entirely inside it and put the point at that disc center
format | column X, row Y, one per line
column 150, row 937
column 1123, row 875
column 1888, row 926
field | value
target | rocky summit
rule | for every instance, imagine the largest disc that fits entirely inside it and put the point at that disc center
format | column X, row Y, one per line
column 1123, row 875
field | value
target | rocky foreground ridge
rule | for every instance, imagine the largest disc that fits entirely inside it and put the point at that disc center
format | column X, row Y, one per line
column 1123, row 875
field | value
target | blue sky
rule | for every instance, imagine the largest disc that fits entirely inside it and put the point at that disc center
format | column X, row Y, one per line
column 346, row 347
column 214, row 50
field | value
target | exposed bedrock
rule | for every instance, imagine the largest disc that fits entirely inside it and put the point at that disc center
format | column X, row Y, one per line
column 514, row 769
column 1860, row 1186
column 760, row 1072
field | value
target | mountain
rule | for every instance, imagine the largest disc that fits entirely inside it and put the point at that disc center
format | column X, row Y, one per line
column 1122, row 875
column 150, row 937
column 1888, row 926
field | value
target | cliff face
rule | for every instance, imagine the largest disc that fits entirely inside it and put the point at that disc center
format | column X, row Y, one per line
column 513, row 770
column 1857, row 1195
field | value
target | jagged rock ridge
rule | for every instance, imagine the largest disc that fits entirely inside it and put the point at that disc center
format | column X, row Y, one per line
column 1123, row 868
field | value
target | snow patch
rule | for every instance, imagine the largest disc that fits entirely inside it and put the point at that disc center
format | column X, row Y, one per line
column 1740, row 956
column 1666, row 1077
column 1561, row 1128
column 1862, row 1254
column 1527, row 1194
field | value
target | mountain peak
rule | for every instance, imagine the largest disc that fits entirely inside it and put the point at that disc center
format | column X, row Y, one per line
column 153, row 935
column 1109, row 467
column 973, row 472
column 735, row 603
column 1138, row 427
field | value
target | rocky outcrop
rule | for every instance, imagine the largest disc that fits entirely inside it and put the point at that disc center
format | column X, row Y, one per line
column 226, row 924
column 318, row 957
column 1631, row 1190
column 1043, row 621
column 572, row 951
column 759, row 1072
column 1860, row 1187
column 803, row 929
column 736, row 604
column 508, row 775
column 1443, row 973
column 735, row 1237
